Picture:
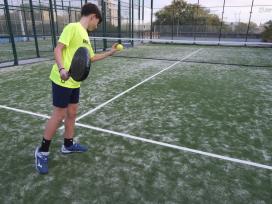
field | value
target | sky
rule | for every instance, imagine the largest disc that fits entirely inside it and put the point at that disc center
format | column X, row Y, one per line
column 262, row 12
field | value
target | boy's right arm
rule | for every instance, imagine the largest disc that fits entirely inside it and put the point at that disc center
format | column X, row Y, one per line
column 58, row 56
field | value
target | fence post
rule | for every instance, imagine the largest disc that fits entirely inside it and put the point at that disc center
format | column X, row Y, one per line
column 56, row 12
column 25, row 23
column 34, row 28
column 104, row 24
column 129, row 19
column 11, row 32
column 119, row 21
column 69, row 12
column 41, row 12
column 222, row 20
column 173, row 20
column 132, row 26
column 151, row 25
column 139, row 18
column 196, row 21
column 143, row 19
column 249, row 21
column 54, row 40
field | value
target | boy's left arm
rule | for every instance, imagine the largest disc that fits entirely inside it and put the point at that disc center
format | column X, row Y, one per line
column 104, row 55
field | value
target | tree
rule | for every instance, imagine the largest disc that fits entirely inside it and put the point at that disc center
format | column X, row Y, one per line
column 182, row 12
column 267, row 34
column 242, row 27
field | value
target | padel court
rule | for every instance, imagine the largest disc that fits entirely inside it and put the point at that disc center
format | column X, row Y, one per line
column 163, row 124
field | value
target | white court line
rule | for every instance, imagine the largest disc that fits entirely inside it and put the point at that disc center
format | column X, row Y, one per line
column 135, row 86
column 23, row 111
column 185, row 149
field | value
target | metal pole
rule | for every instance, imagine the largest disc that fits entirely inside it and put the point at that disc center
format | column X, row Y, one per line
column 151, row 25
column 129, row 19
column 119, row 21
column 41, row 11
column 69, row 12
column 34, row 28
column 104, row 26
column 11, row 32
column 173, row 20
column 54, row 40
column 132, row 26
column 139, row 17
column 25, row 23
column 249, row 21
column 143, row 19
column 220, row 34
column 196, row 20
column 56, row 12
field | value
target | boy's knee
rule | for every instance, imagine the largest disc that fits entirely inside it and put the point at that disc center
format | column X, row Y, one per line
column 59, row 114
column 72, row 114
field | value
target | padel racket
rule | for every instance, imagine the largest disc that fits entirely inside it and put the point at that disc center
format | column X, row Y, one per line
column 80, row 65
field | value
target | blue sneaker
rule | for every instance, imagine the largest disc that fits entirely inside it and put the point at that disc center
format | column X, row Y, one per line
column 41, row 161
column 74, row 148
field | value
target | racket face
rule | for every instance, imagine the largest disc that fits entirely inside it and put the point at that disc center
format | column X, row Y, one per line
column 80, row 65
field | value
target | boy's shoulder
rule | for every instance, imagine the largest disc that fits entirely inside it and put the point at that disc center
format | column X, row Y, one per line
column 71, row 25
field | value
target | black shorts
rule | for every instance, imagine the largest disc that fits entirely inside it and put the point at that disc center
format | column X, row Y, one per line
column 63, row 96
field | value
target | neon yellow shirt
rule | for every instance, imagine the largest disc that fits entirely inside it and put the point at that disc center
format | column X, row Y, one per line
column 73, row 36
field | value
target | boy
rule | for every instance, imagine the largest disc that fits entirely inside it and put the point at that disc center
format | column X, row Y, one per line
column 66, row 94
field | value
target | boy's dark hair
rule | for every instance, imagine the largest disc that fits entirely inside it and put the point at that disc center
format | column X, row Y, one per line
column 90, row 8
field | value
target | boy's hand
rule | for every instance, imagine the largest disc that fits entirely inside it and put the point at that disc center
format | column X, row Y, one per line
column 64, row 75
column 113, row 48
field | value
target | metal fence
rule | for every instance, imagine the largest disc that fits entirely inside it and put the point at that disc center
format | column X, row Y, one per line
column 214, row 20
column 30, row 28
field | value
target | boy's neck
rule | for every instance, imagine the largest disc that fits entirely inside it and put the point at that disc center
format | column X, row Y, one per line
column 84, row 22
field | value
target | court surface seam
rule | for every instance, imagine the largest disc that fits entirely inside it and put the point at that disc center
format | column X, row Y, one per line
column 184, row 149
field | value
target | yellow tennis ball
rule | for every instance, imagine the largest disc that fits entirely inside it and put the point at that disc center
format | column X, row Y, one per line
column 119, row 47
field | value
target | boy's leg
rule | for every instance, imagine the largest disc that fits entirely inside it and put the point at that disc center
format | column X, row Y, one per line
column 61, row 97
column 42, row 153
column 70, row 120
column 53, row 123
column 69, row 145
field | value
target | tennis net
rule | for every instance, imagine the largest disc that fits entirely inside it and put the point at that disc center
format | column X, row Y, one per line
column 225, row 53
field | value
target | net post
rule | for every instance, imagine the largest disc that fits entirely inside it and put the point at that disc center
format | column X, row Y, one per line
column 11, row 36
column 34, row 28
column 249, row 21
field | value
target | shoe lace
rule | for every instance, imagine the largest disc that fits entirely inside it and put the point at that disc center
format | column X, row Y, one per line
column 43, row 158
